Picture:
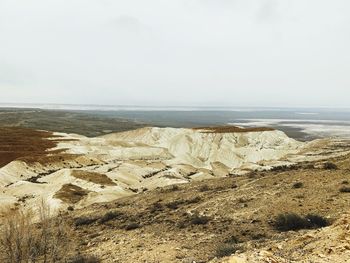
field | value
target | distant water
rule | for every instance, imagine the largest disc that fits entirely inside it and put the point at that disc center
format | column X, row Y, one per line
column 299, row 123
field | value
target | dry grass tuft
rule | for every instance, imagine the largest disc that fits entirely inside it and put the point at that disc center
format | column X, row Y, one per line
column 22, row 240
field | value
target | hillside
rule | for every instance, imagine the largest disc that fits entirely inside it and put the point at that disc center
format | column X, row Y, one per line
column 180, row 195
column 205, row 220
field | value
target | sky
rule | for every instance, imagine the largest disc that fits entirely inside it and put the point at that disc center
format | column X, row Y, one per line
column 269, row 53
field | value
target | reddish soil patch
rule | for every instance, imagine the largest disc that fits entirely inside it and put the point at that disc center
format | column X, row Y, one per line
column 231, row 129
column 93, row 177
column 71, row 193
column 22, row 142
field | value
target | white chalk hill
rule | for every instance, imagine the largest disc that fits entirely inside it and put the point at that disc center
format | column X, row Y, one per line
column 105, row 168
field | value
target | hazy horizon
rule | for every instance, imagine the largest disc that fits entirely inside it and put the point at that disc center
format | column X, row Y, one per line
column 229, row 53
column 97, row 107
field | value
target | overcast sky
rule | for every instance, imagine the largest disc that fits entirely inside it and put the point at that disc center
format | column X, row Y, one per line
column 176, row 52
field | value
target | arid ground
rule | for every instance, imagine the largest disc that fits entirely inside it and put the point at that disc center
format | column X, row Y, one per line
column 198, row 221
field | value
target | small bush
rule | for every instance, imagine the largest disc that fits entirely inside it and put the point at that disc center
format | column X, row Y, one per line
column 258, row 236
column 181, row 225
column 84, row 259
column 344, row 189
column 132, row 226
column 297, row 185
column 156, row 207
column 110, row 216
column 290, row 221
column 330, row 166
column 232, row 240
column 174, row 205
column 226, row 250
column 81, row 221
column 199, row 220
column 174, row 188
column 287, row 222
column 317, row 221
column 194, row 200
column 204, row 188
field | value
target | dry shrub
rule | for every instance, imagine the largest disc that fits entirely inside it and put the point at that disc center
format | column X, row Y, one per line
column 291, row 221
column 84, row 220
column 204, row 188
column 330, row 166
column 132, row 226
column 297, row 185
column 199, row 220
column 225, row 250
column 84, row 259
column 22, row 239
column 344, row 189
column 111, row 215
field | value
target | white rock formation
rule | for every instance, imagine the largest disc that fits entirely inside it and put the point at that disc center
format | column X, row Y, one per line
column 142, row 159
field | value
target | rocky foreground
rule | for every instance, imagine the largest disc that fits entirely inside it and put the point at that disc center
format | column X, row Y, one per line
column 186, row 195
